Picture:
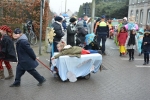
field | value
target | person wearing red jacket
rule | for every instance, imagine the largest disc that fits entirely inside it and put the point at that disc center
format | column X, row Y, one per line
column 122, row 36
column 7, row 51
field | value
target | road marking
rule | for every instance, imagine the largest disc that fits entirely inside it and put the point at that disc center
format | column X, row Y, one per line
column 134, row 59
column 142, row 66
column 113, row 48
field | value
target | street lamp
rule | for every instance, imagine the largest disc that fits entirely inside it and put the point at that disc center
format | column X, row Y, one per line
column 65, row 6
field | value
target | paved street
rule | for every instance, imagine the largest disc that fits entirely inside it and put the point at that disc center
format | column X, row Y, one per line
column 122, row 80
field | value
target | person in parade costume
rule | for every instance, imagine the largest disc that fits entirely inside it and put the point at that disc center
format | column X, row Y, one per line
column 7, row 51
column 131, row 44
column 146, row 47
column 73, row 51
column 122, row 36
column 26, row 59
column 140, row 36
column 131, row 24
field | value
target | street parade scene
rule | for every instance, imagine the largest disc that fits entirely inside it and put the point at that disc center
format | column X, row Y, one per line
column 74, row 50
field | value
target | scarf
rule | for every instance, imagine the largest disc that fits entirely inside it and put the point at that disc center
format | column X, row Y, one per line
column 73, row 27
column 60, row 25
column 131, row 40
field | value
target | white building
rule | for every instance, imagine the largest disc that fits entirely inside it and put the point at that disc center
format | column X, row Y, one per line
column 141, row 10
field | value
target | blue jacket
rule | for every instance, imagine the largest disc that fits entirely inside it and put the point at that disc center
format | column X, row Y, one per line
column 26, row 56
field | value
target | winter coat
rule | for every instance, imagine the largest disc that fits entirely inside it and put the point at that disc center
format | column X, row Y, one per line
column 71, row 31
column 64, row 24
column 81, row 32
column 131, row 46
column 140, row 35
column 71, row 51
column 58, row 30
column 146, row 47
column 7, row 49
column 26, row 55
column 122, row 37
column 89, row 28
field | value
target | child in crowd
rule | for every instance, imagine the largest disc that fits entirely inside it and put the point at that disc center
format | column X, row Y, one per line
column 122, row 36
column 7, row 51
column 72, row 51
column 146, row 47
column 26, row 59
column 131, row 44
column 140, row 36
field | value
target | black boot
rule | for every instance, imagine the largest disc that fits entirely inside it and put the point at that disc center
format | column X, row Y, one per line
column 40, row 83
column 133, row 58
column 130, row 59
column 15, row 84
column 120, row 54
column 147, row 61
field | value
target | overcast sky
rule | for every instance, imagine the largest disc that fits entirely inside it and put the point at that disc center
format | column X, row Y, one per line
column 59, row 5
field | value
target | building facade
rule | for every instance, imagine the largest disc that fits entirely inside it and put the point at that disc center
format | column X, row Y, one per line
column 141, row 10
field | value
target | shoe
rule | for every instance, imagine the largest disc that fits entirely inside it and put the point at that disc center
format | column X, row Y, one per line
column 133, row 58
column 120, row 54
column 148, row 62
column 144, row 63
column 40, row 83
column 129, row 59
column 14, row 85
column 139, row 54
column 104, row 53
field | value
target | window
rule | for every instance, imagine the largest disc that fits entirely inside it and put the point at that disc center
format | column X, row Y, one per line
column 141, row 17
column 137, row 16
column 148, row 17
column 131, row 13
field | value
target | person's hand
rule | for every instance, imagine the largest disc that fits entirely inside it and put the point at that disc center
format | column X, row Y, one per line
column 52, row 58
column 145, row 43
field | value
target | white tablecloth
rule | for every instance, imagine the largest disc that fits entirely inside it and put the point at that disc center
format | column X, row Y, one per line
column 78, row 66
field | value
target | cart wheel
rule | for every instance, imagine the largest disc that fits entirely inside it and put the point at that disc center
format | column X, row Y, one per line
column 87, row 76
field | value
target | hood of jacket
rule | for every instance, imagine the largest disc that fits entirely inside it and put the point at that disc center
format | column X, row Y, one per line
column 22, row 37
column 141, row 30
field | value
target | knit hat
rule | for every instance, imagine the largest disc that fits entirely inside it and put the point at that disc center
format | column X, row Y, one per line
column 17, row 31
column 148, row 32
column 58, row 18
column 72, row 19
column 6, row 28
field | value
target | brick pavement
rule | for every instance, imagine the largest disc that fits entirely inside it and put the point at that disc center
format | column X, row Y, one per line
column 121, row 81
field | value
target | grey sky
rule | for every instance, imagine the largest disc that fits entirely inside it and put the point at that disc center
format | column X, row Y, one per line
column 58, row 6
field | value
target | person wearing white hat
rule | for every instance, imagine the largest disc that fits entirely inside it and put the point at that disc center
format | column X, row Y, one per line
column 125, row 21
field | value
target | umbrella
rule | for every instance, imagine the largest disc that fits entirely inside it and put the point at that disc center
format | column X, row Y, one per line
column 65, row 15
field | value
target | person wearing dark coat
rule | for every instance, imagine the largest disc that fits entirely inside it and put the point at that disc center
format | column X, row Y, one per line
column 71, row 31
column 26, row 59
column 7, row 51
column 58, row 30
column 146, row 47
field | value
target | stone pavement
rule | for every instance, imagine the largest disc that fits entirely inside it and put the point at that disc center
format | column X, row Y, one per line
column 122, row 80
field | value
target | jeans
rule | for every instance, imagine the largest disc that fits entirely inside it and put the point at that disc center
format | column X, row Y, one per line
column 103, row 38
column 93, row 51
